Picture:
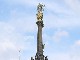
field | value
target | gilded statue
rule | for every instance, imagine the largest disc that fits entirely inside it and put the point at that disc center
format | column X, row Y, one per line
column 39, row 16
column 40, row 13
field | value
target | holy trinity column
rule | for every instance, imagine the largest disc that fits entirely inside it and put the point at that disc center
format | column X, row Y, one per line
column 40, row 46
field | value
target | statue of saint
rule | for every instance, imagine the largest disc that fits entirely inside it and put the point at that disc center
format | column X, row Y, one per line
column 40, row 7
column 46, row 58
column 40, row 14
column 32, row 58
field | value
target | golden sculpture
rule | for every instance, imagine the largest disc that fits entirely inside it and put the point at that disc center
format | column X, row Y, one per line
column 39, row 16
column 40, row 13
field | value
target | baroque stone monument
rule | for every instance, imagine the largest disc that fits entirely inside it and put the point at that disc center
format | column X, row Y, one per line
column 40, row 46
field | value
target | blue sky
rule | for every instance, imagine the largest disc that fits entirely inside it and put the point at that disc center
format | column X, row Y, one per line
column 18, row 29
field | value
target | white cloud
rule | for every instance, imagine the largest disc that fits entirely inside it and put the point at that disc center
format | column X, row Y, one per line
column 56, row 36
column 70, row 22
column 74, row 5
column 23, row 2
column 24, row 24
column 22, row 21
column 57, row 8
column 75, row 50
column 7, row 45
column 72, row 53
column 66, row 16
column 63, row 56
column 11, row 41
column 60, row 56
column 77, row 43
column 59, row 35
